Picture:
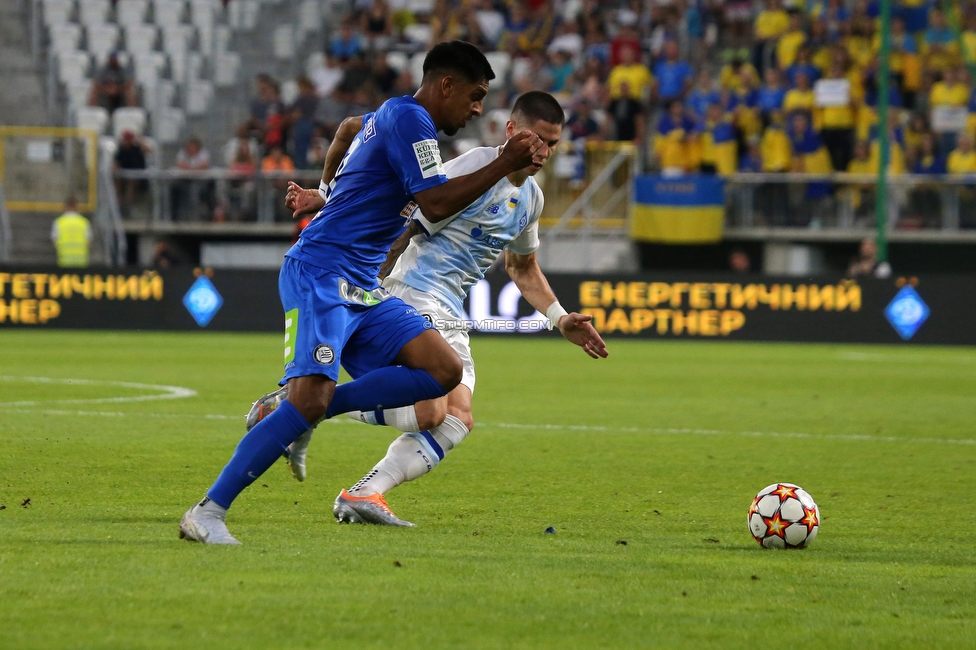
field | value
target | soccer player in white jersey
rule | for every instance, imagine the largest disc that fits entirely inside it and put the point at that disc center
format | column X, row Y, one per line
column 436, row 264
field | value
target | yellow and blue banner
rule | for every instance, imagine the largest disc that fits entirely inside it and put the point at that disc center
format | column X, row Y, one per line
column 682, row 210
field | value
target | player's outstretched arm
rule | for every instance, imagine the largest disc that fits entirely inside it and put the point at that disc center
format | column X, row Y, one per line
column 301, row 201
column 576, row 328
column 445, row 200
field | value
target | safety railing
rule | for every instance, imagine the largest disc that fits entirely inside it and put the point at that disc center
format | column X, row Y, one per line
column 213, row 195
column 108, row 219
column 6, row 235
column 846, row 202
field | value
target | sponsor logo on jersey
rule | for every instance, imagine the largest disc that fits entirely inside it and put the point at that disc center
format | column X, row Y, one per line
column 428, row 156
column 493, row 208
column 370, row 129
column 408, row 210
column 487, row 238
column 324, row 354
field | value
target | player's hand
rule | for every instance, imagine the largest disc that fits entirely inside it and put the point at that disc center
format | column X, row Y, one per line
column 521, row 150
column 302, row 201
column 577, row 329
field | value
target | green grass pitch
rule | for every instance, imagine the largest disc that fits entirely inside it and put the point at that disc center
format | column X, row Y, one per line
column 645, row 465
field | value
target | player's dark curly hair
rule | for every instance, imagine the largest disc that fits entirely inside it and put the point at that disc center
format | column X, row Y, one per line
column 536, row 105
column 460, row 58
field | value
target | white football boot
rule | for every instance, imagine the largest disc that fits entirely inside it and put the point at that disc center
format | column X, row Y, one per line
column 205, row 526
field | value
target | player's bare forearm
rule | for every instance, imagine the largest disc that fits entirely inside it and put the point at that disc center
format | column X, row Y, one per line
column 344, row 136
column 575, row 328
column 397, row 249
column 528, row 277
column 440, row 202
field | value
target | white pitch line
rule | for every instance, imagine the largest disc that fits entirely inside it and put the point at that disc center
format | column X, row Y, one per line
column 167, row 392
column 719, row 432
column 662, row 431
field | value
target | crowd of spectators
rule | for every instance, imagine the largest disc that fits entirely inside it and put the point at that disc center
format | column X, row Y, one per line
column 698, row 86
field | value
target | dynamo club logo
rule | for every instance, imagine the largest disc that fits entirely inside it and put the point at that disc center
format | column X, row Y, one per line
column 907, row 312
column 203, row 301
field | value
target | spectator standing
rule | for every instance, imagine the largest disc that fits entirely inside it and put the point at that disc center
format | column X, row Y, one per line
column 836, row 122
column 632, row 72
column 376, row 24
column 242, row 170
column 771, row 94
column 673, row 76
column 347, row 44
column 963, row 159
column 234, row 144
column 771, row 23
column 628, row 117
column 131, row 155
column 328, row 76
column 303, row 116
column 187, row 194
column 866, row 263
column 702, row 95
column 278, row 161
column 791, row 41
column 72, row 235
column 671, row 148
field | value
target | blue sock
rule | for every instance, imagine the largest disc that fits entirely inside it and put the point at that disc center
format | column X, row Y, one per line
column 258, row 451
column 385, row 388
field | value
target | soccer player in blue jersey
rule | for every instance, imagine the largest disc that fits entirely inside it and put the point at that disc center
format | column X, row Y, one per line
column 436, row 264
column 335, row 311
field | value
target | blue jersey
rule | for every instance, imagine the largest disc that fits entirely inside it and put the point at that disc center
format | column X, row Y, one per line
column 394, row 156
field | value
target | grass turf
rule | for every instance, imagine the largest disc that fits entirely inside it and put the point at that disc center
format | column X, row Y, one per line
column 662, row 446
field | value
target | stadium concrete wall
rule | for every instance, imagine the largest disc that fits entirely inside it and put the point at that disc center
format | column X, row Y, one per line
column 699, row 306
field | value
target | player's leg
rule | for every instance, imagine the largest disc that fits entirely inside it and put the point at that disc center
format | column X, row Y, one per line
column 313, row 324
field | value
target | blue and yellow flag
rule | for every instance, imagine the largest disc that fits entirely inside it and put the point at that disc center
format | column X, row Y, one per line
column 683, row 210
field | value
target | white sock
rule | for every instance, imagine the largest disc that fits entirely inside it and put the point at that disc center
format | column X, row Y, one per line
column 403, row 418
column 209, row 506
column 411, row 456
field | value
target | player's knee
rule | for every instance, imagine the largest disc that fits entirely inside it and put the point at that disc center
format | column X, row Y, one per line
column 464, row 415
column 448, row 372
column 431, row 413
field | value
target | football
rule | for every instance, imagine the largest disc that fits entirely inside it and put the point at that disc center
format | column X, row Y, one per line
column 784, row 515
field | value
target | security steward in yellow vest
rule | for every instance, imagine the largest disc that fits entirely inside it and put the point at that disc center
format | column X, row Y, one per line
column 71, row 234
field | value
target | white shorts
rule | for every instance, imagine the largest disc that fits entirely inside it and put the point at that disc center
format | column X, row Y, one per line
column 453, row 331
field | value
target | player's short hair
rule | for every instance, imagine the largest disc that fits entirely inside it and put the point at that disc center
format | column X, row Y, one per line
column 458, row 58
column 536, row 105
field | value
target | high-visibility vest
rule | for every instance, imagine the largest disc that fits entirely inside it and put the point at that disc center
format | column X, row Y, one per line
column 72, row 231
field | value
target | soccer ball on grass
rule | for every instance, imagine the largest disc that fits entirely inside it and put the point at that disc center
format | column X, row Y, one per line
column 784, row 515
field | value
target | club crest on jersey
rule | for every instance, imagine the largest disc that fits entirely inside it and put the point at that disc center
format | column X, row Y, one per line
column 324, row 354
column 370, row 129
column 524, row 219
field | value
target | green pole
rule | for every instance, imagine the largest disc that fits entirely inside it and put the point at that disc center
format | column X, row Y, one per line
column 884, row 72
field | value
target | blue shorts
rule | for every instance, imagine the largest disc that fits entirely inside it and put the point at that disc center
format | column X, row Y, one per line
column 330, row 322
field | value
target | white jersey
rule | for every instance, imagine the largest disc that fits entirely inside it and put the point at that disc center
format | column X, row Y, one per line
column 457, row 251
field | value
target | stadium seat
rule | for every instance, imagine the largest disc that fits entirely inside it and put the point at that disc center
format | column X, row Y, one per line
column 520, row 68
column 78, row 93
column 107, row 148
column 185, row 66
column 131, row 12
column 57, row 12
column 222, row 36
column 168, row 13
column 289, row 92
column 101, row 39
column 101, row 58
column 309, row 16
column 500, row 62
column 397, row 60
column 199, row 95
column 140, row 38
column 93, row 12
column 227, row 65
column 284, row 42
column 148, row 66
column 64, row 38
column 128, row 119
column 420, row 6
column 73, row 66
column 418, row 34
column 95, row 118
column 314, row 62
column 177, row 38
column 417, row 68
column 158, row 95
column 168, row 125
column 243, row 14
column 202, row 16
